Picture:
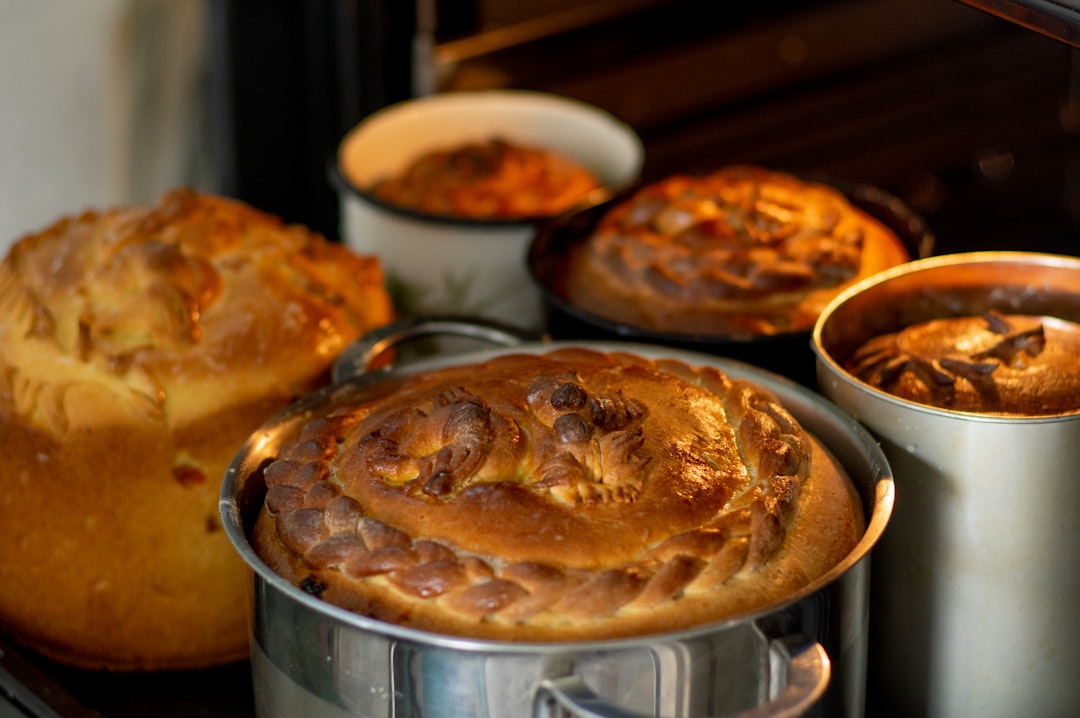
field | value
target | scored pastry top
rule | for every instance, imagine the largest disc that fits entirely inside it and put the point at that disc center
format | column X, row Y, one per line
column 742, row 250
column 196, row 291
column 489, row 179
column 995, row 363
column 527, row 495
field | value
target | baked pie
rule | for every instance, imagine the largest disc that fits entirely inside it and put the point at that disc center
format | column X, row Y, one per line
column 995, row 363
column 743, row 251
column 139, row 347
column 567, row 495
column 489, row 179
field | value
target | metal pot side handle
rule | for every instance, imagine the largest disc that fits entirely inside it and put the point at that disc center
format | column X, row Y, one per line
column 363, row 355
column 800, row 671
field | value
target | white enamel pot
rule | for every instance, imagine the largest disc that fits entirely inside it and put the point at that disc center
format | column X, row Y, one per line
column 438, row 264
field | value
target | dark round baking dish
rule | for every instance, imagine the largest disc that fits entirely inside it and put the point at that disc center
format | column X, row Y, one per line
column 789, row 354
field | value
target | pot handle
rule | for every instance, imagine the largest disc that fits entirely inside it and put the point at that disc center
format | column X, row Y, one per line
column 799, row 674
column 363, row 355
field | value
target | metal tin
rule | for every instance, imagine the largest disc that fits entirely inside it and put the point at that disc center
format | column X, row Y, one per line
column 975, row 584
column 805, row 656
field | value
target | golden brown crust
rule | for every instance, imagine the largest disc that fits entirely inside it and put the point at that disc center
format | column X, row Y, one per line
column 492, row 179
column 564, row 496
column 743, row 251
column 1005, row 364
column 139, row 348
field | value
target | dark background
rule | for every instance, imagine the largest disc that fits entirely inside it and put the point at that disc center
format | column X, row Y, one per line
column 966, row 116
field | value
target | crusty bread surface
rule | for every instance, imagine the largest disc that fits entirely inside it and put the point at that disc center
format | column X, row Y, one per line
column 741, row 252
column 489, row 179
column 995, row 363
column 139, row 347
column 564, row 496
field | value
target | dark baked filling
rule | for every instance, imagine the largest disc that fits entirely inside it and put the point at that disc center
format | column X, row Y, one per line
column 995, row 362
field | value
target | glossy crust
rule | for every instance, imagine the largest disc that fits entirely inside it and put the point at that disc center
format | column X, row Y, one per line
column 139, row 348
column 1004, row 364
column 744, row 251
column 493, row 179
column 567, row 496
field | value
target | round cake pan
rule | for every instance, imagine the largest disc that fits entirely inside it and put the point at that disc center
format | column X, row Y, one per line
column 803, row 656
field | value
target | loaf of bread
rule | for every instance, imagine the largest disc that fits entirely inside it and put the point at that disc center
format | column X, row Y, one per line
column 1004, row 364
column 562, row 496
column 741, row 252
column 139, row 348
column 491, row 179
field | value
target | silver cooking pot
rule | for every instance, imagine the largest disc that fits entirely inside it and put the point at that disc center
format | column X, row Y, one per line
column 804, row 656
column 976, row 586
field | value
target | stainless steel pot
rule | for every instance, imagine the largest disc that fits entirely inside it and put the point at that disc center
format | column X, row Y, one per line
column 806, row 656
column 976, row 586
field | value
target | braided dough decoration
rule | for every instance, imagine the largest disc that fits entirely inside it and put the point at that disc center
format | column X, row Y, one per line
column 569, row 495
column 741, row 251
